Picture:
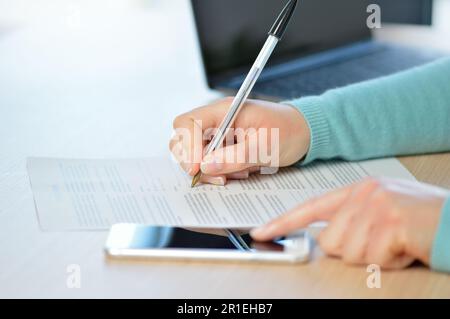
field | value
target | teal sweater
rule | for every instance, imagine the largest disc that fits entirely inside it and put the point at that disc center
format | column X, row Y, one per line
column 405, row 113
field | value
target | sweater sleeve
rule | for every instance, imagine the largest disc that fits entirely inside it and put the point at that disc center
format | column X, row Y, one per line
column 440, row 253
column 405, row 113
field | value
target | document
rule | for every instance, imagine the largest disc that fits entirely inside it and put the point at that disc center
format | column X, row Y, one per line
column 79, row 194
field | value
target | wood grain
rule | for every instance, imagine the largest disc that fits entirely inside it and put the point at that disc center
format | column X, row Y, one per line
column 432, row 169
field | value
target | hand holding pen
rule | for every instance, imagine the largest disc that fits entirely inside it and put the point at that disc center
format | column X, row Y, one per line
column 275, row 35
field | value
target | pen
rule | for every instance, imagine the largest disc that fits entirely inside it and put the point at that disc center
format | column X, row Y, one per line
column 274, row 36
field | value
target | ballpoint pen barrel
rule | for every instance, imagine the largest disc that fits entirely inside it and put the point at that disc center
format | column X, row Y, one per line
column 243, row 93
column 240, row 98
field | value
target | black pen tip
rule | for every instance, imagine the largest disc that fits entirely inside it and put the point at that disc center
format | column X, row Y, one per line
column 283, row 19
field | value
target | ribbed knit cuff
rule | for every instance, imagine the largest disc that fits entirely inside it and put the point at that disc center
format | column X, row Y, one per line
column 311, row 108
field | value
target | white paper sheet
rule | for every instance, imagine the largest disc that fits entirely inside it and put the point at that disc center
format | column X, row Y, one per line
column 94, row 194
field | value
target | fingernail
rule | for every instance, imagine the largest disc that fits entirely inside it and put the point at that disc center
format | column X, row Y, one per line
column 217, row 180
column 239, row 175
column 210, row 164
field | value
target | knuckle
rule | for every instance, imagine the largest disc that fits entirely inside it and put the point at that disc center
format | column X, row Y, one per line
column 177, row 122
column 393, row 218
column 172, row 144
column 175, row 147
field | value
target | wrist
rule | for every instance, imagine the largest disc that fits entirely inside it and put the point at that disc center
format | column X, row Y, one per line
column 420, row 229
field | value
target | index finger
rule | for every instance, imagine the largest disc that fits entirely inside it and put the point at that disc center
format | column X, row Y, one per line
column 321, row 208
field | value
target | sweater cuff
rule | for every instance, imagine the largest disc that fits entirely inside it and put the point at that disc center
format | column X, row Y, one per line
column 440, row 253
column 311, row 108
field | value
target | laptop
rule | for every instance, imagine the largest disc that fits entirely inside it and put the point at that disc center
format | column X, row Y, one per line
column 327, row 45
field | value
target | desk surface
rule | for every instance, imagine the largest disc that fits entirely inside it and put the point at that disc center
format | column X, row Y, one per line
column 95, row 91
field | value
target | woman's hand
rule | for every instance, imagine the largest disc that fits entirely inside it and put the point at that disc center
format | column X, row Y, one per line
column 379, row 221
column 261, row 127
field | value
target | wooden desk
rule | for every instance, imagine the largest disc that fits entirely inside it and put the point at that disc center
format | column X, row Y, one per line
column 100, row 90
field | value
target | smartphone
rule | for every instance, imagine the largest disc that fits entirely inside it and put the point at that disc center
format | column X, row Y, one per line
column 153, row 242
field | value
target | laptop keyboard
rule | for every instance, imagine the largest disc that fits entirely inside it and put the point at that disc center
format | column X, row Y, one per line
column 320, row 79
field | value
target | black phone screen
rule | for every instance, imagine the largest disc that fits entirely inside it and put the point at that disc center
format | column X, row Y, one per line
column 132, row 236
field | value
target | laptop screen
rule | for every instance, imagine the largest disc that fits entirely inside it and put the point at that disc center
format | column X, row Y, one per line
column 231, row 32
